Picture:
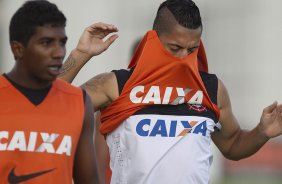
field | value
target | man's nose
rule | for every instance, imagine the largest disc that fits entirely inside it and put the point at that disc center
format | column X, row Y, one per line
column 59, row 51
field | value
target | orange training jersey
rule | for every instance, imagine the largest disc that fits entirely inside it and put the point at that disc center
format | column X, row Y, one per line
column 38, row 143
column 159, row 78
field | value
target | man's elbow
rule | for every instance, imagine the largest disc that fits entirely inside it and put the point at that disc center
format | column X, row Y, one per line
column 232, row 157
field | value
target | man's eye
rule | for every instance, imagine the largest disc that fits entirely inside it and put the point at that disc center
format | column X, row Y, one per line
column 63, row 42
column 45, row 42
column 174, row 49
column 190, row 50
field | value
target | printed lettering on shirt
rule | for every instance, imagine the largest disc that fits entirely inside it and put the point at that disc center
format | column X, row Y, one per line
column 154, row 95
column 171, row 128
column 35, row 142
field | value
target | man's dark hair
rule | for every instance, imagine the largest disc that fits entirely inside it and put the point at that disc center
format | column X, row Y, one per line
column 33, row 14
column 185, row 12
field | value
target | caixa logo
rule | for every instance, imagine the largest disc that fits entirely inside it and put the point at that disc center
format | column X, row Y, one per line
column 172, row 128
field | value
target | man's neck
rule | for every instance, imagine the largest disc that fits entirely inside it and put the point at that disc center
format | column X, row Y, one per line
column 27, row 81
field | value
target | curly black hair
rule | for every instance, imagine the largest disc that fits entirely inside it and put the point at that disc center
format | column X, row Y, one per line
column 32, row 14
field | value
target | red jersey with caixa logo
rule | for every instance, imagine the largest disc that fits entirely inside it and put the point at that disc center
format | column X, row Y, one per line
column 38, row 143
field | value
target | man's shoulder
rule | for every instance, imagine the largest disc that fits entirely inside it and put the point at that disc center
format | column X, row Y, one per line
column 122, row 75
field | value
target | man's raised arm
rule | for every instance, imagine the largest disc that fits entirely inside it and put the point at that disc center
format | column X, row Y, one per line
column 90, row 44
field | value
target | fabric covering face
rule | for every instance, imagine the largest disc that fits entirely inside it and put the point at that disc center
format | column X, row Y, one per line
column 158, row 78
column 202, row 58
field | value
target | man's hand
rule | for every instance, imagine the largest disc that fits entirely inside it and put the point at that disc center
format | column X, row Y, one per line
column 92, row 43
column 271, row 121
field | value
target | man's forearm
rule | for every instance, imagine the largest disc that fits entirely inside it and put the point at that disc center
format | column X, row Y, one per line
column 247, row 143
column 73, row 65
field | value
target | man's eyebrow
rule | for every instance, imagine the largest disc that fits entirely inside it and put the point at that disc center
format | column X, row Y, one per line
column 52, row 38
column 46, row 38
column 176, row 45
column 65, row 38
column 195, row 47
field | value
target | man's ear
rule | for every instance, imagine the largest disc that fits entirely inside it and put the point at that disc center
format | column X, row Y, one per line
column 17, row 49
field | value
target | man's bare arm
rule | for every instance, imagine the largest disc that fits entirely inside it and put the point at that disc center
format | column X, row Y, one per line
column 72, row 66
column 102, row 89
column 92, row 42
column 235, row 143
column 85, row 168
